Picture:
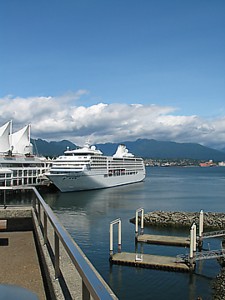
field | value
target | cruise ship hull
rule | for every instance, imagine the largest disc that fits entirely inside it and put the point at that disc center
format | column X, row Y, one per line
column 86, row 168
column 92, row 181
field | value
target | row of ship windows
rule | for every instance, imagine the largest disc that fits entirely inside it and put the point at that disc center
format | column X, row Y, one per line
column 116, row 165
column 103, row 161
column 120, row 173
column 102, row 158
column 69, row 169
column 119, row 161
column 72, row 166
column 114, row 168
column 125, row 163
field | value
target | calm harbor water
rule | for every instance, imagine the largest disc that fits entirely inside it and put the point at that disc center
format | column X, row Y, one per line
column 87, row 216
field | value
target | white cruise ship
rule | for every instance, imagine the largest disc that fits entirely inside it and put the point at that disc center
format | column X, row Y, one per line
column 87, row 169
column 18, row 165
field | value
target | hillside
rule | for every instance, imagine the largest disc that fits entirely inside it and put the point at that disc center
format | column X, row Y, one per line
column 142, row 147
column 42, row 147
column 170, row 150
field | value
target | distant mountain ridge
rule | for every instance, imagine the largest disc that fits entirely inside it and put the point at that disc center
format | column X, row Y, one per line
column 42, row 147
column 146, row 148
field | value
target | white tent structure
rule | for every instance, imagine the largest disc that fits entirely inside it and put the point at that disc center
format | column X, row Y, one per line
column 5, row 132
column 20, row 141
column 17, row 142
column 18, row 165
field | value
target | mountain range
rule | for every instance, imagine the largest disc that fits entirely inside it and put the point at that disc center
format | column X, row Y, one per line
column 146, row 148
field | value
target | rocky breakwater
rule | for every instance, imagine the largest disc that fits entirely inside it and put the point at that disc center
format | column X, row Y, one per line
column 211, row 220
column 219, row 286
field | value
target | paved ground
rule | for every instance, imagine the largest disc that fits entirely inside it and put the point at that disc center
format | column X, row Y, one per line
column 19, row 262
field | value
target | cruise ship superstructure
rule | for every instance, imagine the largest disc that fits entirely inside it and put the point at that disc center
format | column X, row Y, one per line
column 87, row 168
column 18, row 165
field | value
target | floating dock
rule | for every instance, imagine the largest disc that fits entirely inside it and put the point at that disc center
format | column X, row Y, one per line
column 178, row 241
column 154, row 261
column 149, row 261
column 180, row 263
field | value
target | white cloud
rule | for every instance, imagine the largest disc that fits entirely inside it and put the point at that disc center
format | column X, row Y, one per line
column 57, row 118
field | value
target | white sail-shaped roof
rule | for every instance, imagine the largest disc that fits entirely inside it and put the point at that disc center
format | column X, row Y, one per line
column 20, row 141
column 5, row 132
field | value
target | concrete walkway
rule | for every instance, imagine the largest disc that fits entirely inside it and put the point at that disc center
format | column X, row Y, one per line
column 19, row 262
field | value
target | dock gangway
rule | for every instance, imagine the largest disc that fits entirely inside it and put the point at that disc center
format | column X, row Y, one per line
column 210, row 254
column 213, row 234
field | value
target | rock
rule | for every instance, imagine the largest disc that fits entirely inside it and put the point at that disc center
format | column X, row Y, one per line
column 211, row 220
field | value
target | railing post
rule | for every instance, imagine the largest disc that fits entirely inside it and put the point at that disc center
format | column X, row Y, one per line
column 39, row 213
column 85, row 292
column 45, row 228
column 4, row 199
column 34, row 203
column 57, row 269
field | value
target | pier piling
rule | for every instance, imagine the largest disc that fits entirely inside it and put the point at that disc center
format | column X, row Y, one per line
column 195, row 238
column 192, row 247
column 201, row 217
column 136, row 221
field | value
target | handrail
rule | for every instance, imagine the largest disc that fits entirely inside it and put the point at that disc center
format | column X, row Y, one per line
column 211, row 234
column 211, row 254
column 93, row 283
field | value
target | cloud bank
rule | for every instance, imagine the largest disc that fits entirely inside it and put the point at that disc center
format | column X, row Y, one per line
column 58, row 118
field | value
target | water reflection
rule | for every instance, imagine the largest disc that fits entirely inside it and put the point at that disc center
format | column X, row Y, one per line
column 110, row 196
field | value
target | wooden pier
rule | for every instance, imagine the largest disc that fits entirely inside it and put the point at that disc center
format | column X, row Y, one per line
column 178, row 241
column 149, row 261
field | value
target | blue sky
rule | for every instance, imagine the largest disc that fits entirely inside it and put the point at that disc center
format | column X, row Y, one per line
column 167, row 56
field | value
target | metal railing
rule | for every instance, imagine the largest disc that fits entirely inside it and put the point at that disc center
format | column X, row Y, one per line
column 211, row 234
column 211, row 254
column 93, row 284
